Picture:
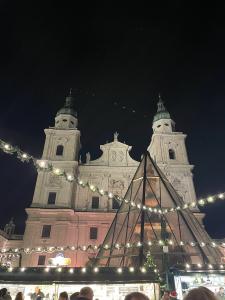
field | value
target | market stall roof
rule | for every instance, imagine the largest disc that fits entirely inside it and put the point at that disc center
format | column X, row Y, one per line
column 75, row 275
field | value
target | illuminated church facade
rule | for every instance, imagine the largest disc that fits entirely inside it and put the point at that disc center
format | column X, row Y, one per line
column 68, row 215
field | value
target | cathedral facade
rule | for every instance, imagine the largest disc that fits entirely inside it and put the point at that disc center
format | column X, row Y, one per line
column 65, row 214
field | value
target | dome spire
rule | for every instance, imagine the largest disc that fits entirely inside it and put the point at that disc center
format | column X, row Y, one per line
column 68, row 108
column 160, row 104
column 162, row 112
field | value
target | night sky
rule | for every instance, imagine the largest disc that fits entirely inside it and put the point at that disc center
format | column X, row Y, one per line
column 117, row 59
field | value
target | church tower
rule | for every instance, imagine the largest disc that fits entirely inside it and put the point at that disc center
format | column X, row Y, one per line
column 50, row 219
column 61, row 149
column 168, row 149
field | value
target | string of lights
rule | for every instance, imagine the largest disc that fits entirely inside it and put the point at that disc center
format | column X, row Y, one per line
column 45, row 165
column 85, row 248
column 119, row 270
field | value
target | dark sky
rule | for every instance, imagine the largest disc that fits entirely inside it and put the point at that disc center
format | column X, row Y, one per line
column 112, row 53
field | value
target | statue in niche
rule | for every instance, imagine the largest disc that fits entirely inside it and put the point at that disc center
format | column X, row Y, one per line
column 88, row 157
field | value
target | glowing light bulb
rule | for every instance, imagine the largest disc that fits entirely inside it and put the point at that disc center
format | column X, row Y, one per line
column 131, row 269
column 221, row 196
column 213, row 244
column 210, row 199
column 128, row 245
column 42, row 164
column 96, row 270
column 71, row 270
column 221, row 266
column 83, row 270
column 119, row 270
column 199, row 265
column 201, row 202
column 181, row 243
column 80, row 182
column 59, row 270
column 202, row 244
column 6, row 146
column 101, row 192
column 22, row 269
column 210, row 266
column 24, row 155
column 10, row 269
column 69, row 177
column 110, row 195
column 57, row 171
column 143, row 270
column 188, row 266
column 46, row 269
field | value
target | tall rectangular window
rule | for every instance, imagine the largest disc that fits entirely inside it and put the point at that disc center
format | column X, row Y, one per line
column 41, row 260
column 115, row 204
column 93, row 233
column 51, row 197
column 46, row 231
column 95, row 202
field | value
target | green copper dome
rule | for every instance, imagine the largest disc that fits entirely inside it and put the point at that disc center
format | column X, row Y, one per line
column 162, row 112
column 68, row 108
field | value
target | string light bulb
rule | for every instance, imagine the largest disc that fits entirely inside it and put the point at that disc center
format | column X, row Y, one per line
column 119, row 270
column 71, row 270
column 131, row 269
column 83, row 270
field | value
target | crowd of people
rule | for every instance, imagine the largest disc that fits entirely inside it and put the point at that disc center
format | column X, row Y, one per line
column 86, row 293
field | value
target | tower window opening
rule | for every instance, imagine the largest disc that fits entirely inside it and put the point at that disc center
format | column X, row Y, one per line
column 166, row 124
column 46, row 231
column 95, row 202
column 51, row 197
column 59, row 150
column 93, row 233
column 172, row 154
column 72, row 122
column 64, row 120
column 158, row 126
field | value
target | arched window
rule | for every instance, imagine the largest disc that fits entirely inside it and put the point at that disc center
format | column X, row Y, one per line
column 172, row 154
column 59, row 150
